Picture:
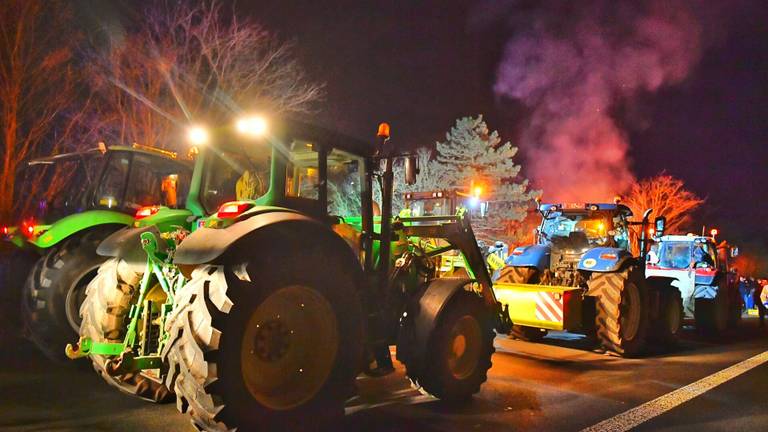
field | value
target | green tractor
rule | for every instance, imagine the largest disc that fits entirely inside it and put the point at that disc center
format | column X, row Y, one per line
column 261, row 315
column 103, row 188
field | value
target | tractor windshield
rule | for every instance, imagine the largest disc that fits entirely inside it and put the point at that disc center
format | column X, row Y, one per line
column 235, row 174
column 675, row 254
column 586, row 229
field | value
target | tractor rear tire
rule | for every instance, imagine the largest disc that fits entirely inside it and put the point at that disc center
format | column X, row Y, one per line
column 245, row 353
column 621, row 303
column 55, row 289
column 459, row 350
column 711, row 314
column 108, row 301
column 670, row 322
column 510, row 274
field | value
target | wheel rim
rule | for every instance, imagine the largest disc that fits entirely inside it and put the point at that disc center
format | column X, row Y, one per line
column 464, row 347
column 630, row 312
column 289, row 347
column 75, row 298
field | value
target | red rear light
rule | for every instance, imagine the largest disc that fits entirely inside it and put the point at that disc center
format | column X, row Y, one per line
column 146, row 212
column 5, row 230
column 233, row 209
column 608, row 256
column 518, row 251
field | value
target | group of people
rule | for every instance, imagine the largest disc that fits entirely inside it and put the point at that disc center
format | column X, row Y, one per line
column 755, row 295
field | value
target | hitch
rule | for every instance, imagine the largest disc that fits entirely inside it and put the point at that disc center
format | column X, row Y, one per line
column 86, row 346
column 127, row 363
column 503, row 320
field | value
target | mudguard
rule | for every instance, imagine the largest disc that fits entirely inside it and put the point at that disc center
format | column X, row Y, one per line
column 422, row 317
column 72, row 224
column 205, row 245
column 126, row 244
column 604, row 259
column 530, row 256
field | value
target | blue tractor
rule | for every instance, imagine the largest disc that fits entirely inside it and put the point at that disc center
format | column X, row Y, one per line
column 580, row 276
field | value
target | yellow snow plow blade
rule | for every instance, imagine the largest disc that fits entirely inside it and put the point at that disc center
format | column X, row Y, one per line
column 541, row 306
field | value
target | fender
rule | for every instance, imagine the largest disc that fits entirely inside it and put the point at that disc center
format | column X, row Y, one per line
column 604, row 259
column 530, row 256
column 422, row 317
column 72, row 224
column 206, row 245
column 126, row 244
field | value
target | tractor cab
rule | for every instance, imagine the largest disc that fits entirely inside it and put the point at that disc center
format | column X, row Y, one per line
column 112, row 181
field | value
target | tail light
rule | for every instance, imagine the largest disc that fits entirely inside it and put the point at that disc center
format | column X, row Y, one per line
column 518, row 251
column 233, row 209
column 147, row 211
column 5, row 230
column 609, row 256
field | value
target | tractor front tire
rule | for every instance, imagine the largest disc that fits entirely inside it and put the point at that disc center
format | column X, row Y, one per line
column 510, row 274
column 621, row 303
column 108, row 301
column 711, row 314
column 459, row 350
column 55, row 289
column 670, row 322
column 273, row 344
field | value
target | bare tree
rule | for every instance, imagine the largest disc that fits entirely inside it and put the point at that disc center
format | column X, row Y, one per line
column 41, row 106
column 190, row 62
column 667, row 197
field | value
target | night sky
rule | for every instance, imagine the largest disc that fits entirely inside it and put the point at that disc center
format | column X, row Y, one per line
column 421, row 64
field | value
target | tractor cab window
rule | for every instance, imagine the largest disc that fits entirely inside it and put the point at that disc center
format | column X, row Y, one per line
column 675, row 255
column 580, row 230
column 345, row 178
column 112, row 185
column 704, row 254
column 155, row 180
column 302, row 174
column 77, row 175
column 416, row 207
column 235, row 174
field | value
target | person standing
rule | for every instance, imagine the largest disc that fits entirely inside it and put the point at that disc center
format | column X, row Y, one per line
column 745, row 294
column 761, row 298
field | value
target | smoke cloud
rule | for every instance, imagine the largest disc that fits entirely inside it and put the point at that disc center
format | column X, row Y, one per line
column 572, row 64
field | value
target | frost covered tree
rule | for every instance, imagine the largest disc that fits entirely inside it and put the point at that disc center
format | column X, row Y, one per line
column 471, row 155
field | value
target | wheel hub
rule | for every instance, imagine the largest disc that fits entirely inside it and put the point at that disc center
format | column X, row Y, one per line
column 272, row 340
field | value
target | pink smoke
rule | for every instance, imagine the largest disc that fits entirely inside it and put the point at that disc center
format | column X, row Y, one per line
column 572, row 64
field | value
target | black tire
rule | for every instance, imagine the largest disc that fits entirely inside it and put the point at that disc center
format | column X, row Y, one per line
column 444, row 376
column 510, row 274
column 711, row 314
column 667, row 328
column 108, row 301
column 209, row 365
column 55, row 289
column 528, row 334
column 621, row 303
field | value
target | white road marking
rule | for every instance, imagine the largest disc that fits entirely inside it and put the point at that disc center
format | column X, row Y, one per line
column 642, row 413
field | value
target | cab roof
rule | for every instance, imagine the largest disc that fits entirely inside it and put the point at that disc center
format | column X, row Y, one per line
column 136, row 148
column 686, row 238
column 585, row 207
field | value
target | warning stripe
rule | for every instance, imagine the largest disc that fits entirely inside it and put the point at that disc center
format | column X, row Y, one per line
column 548, row 307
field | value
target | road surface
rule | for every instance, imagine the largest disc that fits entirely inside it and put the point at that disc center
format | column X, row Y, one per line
column 557, row 385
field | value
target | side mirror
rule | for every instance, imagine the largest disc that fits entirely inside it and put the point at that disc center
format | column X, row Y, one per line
column 659, row 224
column 734, row 251
column 411, row 170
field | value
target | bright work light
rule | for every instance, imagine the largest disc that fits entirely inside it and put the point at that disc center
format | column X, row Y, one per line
column 253, row 126
column 198, row 135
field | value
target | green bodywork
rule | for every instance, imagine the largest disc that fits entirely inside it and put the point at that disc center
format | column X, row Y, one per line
column 50, row 235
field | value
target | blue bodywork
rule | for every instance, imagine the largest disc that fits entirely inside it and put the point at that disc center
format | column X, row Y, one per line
column 530, row 256
column 601, row 259
column 597, row 259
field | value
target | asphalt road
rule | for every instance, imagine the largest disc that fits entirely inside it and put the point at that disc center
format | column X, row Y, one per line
column 558, row 385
